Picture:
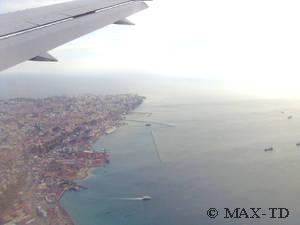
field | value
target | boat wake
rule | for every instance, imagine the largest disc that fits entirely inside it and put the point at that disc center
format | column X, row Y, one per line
column 130, row 199
column 144, row 198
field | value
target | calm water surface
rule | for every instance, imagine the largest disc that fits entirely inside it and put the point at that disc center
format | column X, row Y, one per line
column 213, row 156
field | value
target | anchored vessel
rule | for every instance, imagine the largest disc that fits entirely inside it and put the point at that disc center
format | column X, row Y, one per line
column 269, row 149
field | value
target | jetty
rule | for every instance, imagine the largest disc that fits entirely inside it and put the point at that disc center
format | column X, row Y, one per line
column 77, row 187
column 151, row 122
column 155, row 146
column 142, row 113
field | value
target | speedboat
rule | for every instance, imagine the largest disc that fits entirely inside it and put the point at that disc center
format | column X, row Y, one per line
column 146, row 198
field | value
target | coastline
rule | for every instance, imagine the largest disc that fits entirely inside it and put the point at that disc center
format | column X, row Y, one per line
column 53, row 149
column 82, row 174
column 86, row 173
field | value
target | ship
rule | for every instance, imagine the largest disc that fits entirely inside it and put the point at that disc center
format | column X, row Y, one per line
column 269, row 149
column 146, row 198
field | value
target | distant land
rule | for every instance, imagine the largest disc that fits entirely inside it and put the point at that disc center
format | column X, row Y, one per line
column 45, row 144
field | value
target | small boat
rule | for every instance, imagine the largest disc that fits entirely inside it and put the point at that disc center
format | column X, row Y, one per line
column 146, row 198
column 290, row 117
column 269, row 149
column 298, row 144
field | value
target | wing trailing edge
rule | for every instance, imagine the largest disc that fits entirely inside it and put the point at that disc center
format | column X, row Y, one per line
column 24, row 35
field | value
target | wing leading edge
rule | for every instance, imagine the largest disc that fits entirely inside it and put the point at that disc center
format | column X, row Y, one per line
column 30, row 34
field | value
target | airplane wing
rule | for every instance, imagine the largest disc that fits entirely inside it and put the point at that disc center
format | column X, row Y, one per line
column 30, row 34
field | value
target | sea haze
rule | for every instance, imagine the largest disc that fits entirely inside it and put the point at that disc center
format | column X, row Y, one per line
column 153, row 86
column 211, row 145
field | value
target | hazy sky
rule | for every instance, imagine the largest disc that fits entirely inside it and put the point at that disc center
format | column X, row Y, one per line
column 250, row 45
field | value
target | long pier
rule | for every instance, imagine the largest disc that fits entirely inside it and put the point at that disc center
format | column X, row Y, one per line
column 142, row 113
column 151, row 122
column 155, row 146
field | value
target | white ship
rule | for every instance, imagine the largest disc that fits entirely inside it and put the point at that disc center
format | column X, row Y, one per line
column 146, row 198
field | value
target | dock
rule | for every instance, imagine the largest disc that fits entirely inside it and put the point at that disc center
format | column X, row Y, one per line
column 142, row 113
column 151, row 122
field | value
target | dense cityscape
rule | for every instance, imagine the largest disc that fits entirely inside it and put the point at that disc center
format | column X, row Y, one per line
column 46, row 144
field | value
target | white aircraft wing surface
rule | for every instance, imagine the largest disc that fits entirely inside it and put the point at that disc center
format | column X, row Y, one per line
column 30, row 34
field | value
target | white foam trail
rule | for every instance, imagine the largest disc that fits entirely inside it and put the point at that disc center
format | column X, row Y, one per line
column 129, row 199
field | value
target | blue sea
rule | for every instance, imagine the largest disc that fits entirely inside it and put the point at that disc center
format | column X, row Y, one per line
column 211, row 155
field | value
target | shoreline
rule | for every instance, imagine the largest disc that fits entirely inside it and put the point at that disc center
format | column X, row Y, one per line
column 53, row 146
column 86, row 173
column 83, row 174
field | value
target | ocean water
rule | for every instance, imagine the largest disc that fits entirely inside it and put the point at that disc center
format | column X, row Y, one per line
column 212, row 156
